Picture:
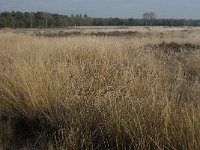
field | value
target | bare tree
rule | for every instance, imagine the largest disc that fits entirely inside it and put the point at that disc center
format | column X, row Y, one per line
column 149, row 18
column 46, row 18
column 145, row 17
column 31, row 19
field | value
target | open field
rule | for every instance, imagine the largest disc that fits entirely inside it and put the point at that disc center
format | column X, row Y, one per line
column 103, row 88
column 94, row 30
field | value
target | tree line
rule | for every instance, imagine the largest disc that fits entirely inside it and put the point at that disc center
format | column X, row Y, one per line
column 44, row 19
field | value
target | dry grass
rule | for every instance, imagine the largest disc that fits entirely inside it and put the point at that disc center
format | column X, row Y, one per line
column 98, row 93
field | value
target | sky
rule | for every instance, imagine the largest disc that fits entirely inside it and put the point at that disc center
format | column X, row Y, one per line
column 177, row 9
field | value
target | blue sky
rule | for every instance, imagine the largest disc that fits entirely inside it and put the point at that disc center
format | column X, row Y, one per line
column 109, row 8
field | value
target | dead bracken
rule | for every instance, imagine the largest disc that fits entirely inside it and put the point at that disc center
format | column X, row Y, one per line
column 78, row 33
column 175, row 47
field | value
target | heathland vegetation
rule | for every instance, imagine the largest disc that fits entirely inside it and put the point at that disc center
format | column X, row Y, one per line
column 100, row 92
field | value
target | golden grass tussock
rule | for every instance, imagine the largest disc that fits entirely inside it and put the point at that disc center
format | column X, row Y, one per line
column 87, row 92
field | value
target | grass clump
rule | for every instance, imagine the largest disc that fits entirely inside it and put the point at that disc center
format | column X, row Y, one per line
column 96, row 93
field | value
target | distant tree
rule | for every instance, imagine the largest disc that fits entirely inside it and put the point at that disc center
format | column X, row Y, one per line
column 131, row 21
column 20, row 19
column 31, row 16
column 29, row 19
column 7, row 19
column 149, row 18
column 77, row 15
column 97, row 22
column 66, row 21
column 46, row 17
column 2, row 20
column 85, row 16
column 117, row 22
